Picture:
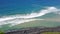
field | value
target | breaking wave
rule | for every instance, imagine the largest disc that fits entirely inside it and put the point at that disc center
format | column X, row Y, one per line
column 18, row 19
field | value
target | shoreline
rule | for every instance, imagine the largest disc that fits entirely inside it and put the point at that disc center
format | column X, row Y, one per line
column 34, row 30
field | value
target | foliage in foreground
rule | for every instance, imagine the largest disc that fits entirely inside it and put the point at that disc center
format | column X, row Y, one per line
column 1, row 32
column 51, row 33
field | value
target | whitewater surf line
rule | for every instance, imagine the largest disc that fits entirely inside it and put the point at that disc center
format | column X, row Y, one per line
column 16, row 19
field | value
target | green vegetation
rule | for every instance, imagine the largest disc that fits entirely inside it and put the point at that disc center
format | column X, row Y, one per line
column 1, row 32
column 51, row 33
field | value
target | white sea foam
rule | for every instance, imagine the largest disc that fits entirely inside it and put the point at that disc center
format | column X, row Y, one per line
column 18, row 19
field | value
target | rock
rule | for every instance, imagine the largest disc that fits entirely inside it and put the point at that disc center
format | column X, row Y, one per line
column 34, row 30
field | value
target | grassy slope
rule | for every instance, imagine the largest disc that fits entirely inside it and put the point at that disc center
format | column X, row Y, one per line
column 51, row 33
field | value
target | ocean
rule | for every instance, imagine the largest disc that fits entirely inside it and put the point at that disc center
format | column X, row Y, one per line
column 29, row 13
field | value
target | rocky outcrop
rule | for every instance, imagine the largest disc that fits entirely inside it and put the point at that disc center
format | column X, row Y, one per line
column 34, row 30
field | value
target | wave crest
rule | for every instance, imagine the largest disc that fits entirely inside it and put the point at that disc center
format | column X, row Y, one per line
column 18, row 19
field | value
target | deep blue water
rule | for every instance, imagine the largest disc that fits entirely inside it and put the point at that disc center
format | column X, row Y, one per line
column 10, row 7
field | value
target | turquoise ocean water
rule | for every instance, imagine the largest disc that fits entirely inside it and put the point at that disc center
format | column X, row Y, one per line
column 24, row 7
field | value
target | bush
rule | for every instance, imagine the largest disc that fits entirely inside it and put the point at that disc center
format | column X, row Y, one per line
column 1, row 32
